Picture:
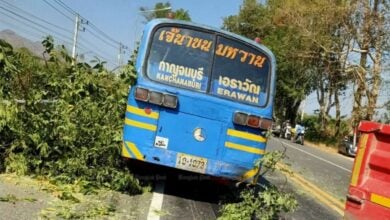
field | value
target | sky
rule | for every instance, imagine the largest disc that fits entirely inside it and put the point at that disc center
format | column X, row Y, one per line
column 120, row 20
column 111, row 22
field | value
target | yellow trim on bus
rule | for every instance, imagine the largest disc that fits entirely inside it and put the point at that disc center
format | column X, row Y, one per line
column 133, row 148
column 381, row 200
column 125, row 152
column 142, row 125
column 359, row 159
column 244, row 148
column 249, row 174
column 246, row 135
column 141, row 112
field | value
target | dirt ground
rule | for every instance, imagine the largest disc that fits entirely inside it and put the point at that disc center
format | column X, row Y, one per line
column 27, row 198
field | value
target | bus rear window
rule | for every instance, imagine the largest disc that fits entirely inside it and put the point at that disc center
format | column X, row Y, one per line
column 240, row 72
column 181, row 57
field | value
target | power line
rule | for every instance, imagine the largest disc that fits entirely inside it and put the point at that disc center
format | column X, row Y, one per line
column 36, row 30
column 63, row 5
column 89, row 23
column 88, row 47
column 33, row 22
column 98, row 37
column 45, row 32
column 42, row 29
column 31, row 15
column 102, row 33
column 38, row 26
column 22, row 29
column 59, row 11
column 100, row 56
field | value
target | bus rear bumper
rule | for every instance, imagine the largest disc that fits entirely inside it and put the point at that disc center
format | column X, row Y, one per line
column 168, row 158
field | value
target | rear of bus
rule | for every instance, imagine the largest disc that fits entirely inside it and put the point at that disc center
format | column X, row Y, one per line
column 202, row 102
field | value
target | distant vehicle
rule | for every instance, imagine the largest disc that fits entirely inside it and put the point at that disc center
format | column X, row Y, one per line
column 286, row 130
column 346, row 147
column 298, row 134
column 276, row 129
column 369, row 190
column 203, row 100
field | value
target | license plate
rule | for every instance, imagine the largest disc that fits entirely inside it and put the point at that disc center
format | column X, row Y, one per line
column 191, row 163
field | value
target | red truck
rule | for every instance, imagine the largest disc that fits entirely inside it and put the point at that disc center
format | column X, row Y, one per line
column 369, row 191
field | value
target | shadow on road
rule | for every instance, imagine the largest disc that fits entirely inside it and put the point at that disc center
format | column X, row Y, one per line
column 184, row 188
column 184, row 184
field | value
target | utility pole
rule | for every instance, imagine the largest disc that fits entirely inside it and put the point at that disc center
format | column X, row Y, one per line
column 75, row 35
column 120, row 55
column 121, row 51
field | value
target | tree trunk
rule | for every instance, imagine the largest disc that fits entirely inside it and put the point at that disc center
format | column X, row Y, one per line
column 362, row 72
column 372, row 95
column 330, row 95
column 322, row 101
column 338, row 112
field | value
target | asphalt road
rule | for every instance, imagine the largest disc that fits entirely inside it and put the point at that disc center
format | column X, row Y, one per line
column 185, row 195
column 329, row 171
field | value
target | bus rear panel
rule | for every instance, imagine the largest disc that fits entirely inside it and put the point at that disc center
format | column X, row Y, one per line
column 202, row 101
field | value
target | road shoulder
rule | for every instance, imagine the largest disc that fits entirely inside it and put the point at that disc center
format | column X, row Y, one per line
column 309, row 207
column 23, row 197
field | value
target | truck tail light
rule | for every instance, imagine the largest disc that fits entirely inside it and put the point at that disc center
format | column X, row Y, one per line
column 240, row 118
column 169, row 101
column 253, row 121
column 142, row 94
column 156, row 98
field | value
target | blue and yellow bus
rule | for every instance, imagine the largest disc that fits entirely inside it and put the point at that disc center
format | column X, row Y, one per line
column 202, row 102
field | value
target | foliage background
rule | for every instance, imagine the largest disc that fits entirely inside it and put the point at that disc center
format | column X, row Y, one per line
column 62, row 120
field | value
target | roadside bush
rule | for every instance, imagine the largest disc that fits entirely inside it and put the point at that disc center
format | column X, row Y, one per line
column 62, row 120
column 261, row 201
column 328, row 136
column 264, row 204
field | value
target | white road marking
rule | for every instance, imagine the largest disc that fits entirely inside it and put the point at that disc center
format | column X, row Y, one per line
column 157, row 201
column 320, row 158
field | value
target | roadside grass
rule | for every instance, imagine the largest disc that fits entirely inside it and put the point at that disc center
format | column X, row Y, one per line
column 13, row 199
column 261, row 200
column 162, row 213
column 71, row 201
column 332, row 148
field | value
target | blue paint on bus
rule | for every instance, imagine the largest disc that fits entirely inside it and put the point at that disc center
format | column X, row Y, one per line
column 200, row 70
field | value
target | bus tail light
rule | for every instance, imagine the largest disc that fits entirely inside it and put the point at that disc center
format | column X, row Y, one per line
column 265, row 124
column 156, row 98
column 169, row 101
column 142, row 94
column 240, row 118
column 253, row 121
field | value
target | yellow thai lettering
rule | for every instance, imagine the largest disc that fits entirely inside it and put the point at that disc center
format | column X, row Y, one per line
column 177, row 70
column 174, row 36
column 197, row 43
column 231, row 53
column 206, row 45
column 245, row 86
column 252, row 56
column 221, row 50
column 244, row 55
